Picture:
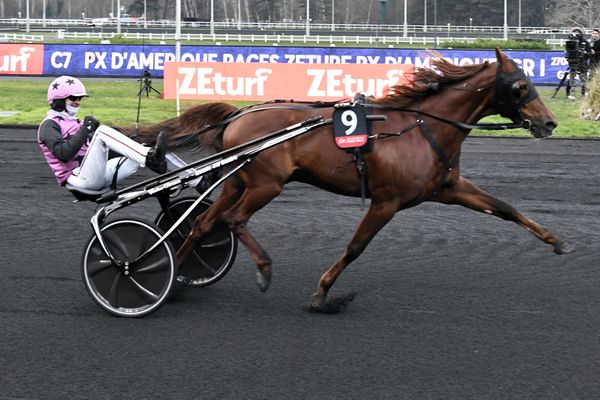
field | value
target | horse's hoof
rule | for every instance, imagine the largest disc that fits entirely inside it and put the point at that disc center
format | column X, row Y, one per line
column 263, row 280
column 329, row 305
column 316, row 302
column 563, row 248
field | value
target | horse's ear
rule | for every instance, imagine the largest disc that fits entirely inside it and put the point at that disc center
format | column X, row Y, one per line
column 501, row 57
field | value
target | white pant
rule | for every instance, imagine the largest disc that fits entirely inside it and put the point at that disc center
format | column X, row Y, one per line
column 97, row 171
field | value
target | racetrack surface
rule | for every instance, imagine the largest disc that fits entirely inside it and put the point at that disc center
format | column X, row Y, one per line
column 450, row 304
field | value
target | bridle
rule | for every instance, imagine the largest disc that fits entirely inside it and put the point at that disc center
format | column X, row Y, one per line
column 507, row 92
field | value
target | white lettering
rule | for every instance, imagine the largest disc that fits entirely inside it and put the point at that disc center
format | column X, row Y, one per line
column 88, row 59
column 116, row 60
column 65, row 56
column 100, row 60
column 203, row 81
column 317, row 75
column 367, row 59
column 209, row 82
column 334, row 83
column 9, row 62
column 188, row 76
column 133, row 62
column 527, row 66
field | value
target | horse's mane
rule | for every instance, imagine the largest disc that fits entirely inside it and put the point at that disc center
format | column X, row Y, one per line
column 192, row 120
column 426, row 81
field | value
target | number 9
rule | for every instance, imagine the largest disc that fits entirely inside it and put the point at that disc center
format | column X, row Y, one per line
column 349, row 119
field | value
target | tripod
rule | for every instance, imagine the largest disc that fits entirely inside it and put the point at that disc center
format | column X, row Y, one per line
column 571, row 78
column 145, row 86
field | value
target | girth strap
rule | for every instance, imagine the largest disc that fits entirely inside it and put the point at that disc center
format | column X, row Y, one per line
column 436, row 147
column 359, row 161
column 448, row 164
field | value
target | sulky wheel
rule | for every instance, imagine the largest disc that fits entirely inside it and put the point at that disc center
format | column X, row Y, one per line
column 212, row 257
column 129, row 287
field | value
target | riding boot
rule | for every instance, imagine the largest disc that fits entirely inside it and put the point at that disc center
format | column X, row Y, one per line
column 155, row 160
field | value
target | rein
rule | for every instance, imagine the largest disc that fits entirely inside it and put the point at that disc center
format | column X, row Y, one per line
column 255, row 108
column 525, row 124
column 495, row 126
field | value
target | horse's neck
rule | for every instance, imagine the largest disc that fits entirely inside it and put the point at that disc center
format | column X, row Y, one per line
column 467, row 102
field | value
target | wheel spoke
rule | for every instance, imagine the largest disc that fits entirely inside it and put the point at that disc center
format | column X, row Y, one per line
column 114, row 241
column 144, row 242
column 155, row 266
column 99, row 266
column 145, row 293
column 180, row 234
column 213, row 245
column 113, row 294
column 204, row 264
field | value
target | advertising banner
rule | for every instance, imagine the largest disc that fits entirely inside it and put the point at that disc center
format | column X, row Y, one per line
column 264, row 81
column 542, row 67
column 21, row 59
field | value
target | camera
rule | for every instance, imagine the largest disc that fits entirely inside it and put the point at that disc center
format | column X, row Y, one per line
column 147, row 82
column 575, row 51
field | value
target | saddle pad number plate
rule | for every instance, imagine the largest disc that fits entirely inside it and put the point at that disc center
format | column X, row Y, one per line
column 350, row 127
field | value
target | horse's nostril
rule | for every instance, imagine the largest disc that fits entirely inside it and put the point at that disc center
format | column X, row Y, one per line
column 550, row 125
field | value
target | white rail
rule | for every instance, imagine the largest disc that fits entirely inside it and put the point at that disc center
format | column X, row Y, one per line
column 14, row 37
column 441, row 29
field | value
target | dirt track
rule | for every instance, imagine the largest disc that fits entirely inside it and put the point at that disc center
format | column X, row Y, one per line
column 450, row 303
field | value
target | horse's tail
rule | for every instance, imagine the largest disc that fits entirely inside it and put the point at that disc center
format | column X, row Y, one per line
column 187, row 125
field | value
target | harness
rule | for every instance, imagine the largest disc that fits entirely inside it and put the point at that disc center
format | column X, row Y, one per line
column 507, row 101
column 351, row 129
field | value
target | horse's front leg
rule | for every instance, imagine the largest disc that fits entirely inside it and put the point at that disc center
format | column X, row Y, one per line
column 376, row 217
column 467, row 194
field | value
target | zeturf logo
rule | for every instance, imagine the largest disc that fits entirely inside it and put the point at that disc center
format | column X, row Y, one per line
column 267, row 81
column 22, row 59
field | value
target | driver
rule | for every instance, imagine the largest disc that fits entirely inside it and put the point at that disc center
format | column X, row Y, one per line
column 78, row 151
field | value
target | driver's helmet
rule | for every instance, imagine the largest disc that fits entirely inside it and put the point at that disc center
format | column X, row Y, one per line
column 65, row 86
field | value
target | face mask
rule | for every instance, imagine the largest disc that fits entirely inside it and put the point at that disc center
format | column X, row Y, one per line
column 72, row 110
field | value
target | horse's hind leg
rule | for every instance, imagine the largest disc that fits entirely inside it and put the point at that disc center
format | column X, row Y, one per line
column 467, row 194
column 205, row 222
column 376, row 217
column 252, row 199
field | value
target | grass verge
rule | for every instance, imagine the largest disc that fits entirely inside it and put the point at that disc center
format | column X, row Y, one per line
column 115, row 102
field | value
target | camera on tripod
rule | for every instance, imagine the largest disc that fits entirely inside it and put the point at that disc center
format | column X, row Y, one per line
column 575, row 52
column 147, row 84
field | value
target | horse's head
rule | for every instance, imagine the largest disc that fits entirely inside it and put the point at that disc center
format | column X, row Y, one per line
column 516, row 98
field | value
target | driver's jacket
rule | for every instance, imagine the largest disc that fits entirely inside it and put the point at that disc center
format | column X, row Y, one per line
column 63, row 142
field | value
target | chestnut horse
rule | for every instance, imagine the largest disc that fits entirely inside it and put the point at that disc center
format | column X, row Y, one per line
column 414, row 156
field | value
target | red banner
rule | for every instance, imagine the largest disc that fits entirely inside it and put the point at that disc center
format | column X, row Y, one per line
column 22, row 59
column 268, row 81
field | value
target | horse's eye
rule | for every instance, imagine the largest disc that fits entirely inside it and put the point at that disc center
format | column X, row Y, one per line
column 517, row 87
